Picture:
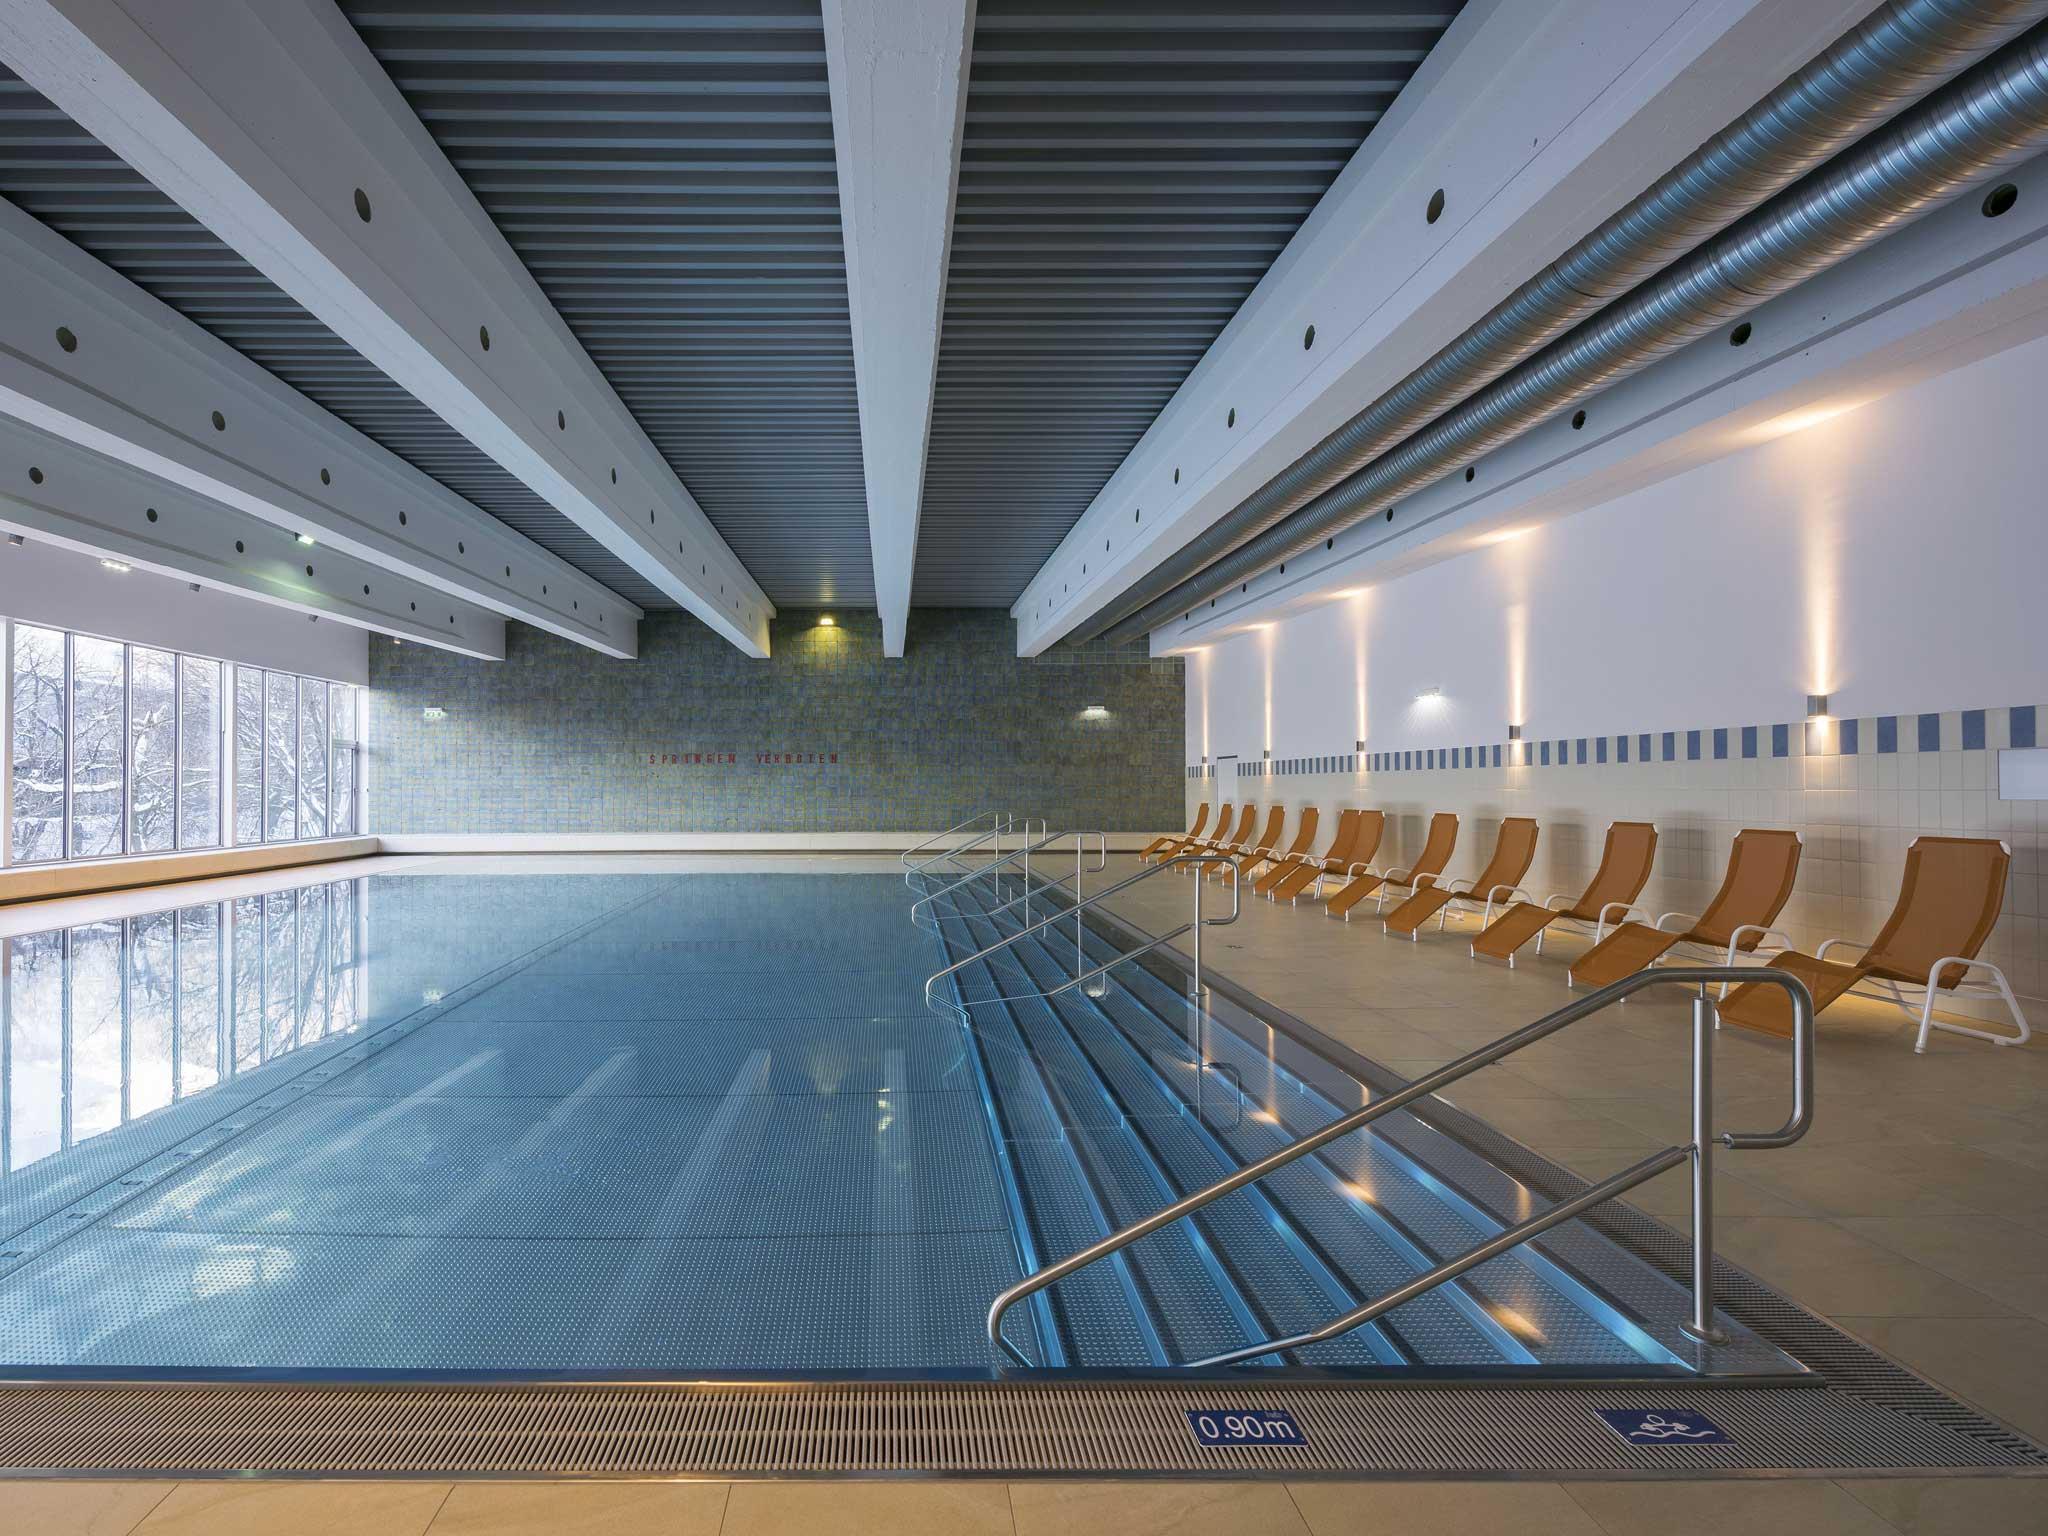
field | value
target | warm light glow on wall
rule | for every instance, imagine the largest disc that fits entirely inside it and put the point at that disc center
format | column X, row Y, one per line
column 1518, row 663
column 1358, row 655
column 1268, row 665
column 1801, row 420
column 1503, row 536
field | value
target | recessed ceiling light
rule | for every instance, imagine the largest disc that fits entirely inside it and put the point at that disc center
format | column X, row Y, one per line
column 116, row 565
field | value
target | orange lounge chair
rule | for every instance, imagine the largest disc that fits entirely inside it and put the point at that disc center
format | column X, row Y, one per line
column 1949, row 901
column 1436, row 853
column 1304, row 838
column 1175, row 839
column 1250, row 851
column 1624, row 871
column 1761, row 867
column 1514, row 850
column 1222, row 840
column 1291, row 877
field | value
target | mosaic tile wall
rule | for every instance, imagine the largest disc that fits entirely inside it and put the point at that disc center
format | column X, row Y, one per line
column 826, row 736
column 1858, row 791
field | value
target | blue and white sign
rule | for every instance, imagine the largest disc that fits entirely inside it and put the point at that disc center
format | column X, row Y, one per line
column 1245, row 1426
column 1664, row 1426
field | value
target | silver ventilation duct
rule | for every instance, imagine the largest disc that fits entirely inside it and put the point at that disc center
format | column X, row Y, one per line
column 1902, row 51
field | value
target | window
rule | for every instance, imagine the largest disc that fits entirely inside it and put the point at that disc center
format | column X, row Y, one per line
column 198, row 753
column 152, row 751
column 280, row 757
column 127, row 749
column 40, row 712
column 99, row 709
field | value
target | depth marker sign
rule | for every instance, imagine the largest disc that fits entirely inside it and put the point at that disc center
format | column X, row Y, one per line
column 1245, row 1426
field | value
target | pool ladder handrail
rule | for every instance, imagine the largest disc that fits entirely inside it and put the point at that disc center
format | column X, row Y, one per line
column 1002, row 822
column 1699, row 1151
column 1013, row 856
column 1072, row 914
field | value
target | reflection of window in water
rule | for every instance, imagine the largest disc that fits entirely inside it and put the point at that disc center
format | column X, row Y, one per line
column 103, row 1023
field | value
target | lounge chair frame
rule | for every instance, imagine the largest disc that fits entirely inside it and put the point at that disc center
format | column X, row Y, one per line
column 1894, row 992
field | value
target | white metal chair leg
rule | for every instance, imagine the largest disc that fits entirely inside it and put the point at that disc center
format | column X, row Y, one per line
column 2000, row 988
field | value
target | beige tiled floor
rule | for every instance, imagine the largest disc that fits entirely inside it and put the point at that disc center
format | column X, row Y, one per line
column 1915, row 1215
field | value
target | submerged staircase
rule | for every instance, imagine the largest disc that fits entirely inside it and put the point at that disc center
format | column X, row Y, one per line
column 1101, row 1111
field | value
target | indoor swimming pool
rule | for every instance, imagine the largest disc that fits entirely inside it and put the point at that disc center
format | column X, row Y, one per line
column 689, row 1124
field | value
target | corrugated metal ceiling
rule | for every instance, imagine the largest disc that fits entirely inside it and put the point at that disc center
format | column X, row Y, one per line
column 52, row 168
column 1129, row 172
column 665, row 170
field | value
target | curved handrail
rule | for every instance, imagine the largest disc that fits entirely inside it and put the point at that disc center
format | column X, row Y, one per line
column 1593, row 1002
column 1006, row 824
column 1011, row 857
column 1080, row 851
column 958, row 826
column 1073, row 912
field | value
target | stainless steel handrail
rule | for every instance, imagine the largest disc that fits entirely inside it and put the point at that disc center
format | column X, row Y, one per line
column 1699, row 1151
column 1013, row 856
column 1080, row 852
column 1194, row 925
column 1003, row 824
column 958, row 826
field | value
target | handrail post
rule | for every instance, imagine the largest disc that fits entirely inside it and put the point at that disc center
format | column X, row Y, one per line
column 1702, row 1325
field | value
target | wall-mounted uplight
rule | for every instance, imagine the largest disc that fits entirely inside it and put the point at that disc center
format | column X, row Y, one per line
column 1428, row 695
column 1095, row 712
column 16, row 540
column 433, row 712
column 1514, row 733
column 117, row 566
column 308, row 540
column 826, row 621
column 1816, row 706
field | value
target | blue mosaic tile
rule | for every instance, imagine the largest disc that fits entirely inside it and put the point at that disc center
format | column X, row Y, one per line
column 1930, row 733
column 1887, row 733
column 1582, row 749
column 1599, row 749
column 1973, row 730
column 1781, row 741
column 1621, row 749
column 1849, row 738
column 1692, row 746
column 1749, row 741
column 1670, row 746
column 2022, row 727
column 1720, row 742
column 1544, row 753
column 1643, row 748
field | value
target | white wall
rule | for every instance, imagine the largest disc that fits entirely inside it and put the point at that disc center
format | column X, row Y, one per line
column 1892, row 557
column 40, row 584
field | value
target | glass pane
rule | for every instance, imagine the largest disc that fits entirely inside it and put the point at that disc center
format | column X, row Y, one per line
column 312, row 963
column 152, row 1069
column 341, row 703
column 96, row 1045
column 198, row 753
column 199, row 1015
column 152, row 750
column 38, row 744
column 98, row 746
column 281, row 757
column 35, row 1047
column 280, row 973
column 248, row 755
column 312, row 758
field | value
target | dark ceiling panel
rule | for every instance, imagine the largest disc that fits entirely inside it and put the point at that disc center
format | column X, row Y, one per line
column 1128, row 174
column 665, row 170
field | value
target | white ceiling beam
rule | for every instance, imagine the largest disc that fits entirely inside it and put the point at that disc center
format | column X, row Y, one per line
column 1942, row 293
column 1535, row 122
column 87, row 356
column 898, row 75
column 57, row 492
column 273, row 123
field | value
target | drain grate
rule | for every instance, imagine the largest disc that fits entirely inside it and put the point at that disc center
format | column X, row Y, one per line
column 991, row 1428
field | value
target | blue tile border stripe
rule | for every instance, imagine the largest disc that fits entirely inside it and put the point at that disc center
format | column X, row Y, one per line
column 1969, row 730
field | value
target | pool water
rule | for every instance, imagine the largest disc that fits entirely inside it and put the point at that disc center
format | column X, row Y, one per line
column 689, row 1124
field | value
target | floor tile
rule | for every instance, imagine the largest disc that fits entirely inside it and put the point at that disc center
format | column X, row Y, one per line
column 1835, row 1272
column 1808, row 1507
column 1154, row 1509
column 1957, row 1506
column 1988, row 1253
column 868, row 1509
column 1999, row 1364
column 1441, row 1509
column 582, row 1509
column 60, row 1508
column 301, row 1509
